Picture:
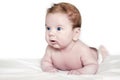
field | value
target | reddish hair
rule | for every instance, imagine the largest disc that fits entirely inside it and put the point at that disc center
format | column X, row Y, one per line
column 69, row 9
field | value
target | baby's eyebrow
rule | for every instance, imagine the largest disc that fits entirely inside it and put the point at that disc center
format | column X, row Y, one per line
column 45, row 24
column 59, row 26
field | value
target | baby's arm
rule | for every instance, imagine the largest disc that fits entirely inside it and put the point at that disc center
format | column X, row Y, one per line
column 88, row 69
column 46, row 62
column 90, row 65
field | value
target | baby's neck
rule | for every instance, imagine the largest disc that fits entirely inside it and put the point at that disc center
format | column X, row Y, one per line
column 68, row 48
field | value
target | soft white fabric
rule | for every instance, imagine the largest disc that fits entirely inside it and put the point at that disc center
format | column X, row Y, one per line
column 29, row 69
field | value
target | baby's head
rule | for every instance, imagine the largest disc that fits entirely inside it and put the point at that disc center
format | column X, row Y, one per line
column 69, row 9
column 63, row 23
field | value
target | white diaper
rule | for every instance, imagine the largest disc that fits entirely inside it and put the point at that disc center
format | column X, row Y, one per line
column 100, row 59
column 102, row 54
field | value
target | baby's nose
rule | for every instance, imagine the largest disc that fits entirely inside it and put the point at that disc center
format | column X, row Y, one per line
column 52, row 33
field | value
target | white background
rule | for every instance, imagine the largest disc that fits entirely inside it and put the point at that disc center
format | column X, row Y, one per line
column 22, row 27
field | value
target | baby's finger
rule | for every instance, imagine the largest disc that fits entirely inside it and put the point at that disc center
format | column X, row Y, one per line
column 70, row 72
column 74, row 72
column 53, row 70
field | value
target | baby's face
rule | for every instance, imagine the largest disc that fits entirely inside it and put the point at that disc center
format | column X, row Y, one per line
column 59, row 33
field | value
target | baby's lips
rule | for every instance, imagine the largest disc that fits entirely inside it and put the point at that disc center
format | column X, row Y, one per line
column 52, row 41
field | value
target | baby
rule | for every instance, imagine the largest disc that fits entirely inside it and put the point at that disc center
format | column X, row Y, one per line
column 65, row 51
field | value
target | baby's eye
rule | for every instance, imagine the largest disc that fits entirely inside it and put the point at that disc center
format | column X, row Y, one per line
column 59, row 28
column 48, row 28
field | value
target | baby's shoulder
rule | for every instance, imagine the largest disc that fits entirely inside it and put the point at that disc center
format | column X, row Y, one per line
column 82, row 46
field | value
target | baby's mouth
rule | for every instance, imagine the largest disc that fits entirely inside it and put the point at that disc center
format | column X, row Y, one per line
column 53, row 41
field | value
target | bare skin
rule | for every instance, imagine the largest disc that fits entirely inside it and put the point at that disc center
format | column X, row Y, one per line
column 80, row 59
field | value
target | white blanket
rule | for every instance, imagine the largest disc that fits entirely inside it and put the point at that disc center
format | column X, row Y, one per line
column 29, row 69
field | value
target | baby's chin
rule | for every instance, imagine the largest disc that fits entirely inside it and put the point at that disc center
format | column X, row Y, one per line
column 56, row 46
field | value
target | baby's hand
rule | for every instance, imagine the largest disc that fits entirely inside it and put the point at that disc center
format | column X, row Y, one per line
column 53, row 70
column 75, row 72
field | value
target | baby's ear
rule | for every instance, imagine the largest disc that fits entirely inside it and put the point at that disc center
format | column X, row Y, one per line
column 76, row 34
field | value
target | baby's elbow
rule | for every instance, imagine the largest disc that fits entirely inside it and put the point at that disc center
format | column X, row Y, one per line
column 94, row 68
column 45, row 66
